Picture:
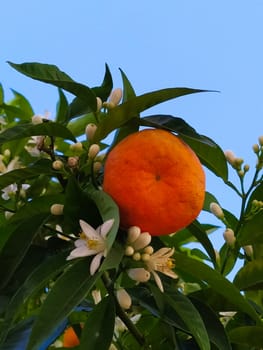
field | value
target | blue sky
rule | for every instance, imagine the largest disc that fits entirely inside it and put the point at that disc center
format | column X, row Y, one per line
column 203, row 44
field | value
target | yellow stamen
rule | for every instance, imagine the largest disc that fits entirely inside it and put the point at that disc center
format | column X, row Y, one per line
column 92, row 243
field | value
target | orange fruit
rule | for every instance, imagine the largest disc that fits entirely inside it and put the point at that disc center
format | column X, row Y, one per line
column 156, row 180
column 70, row 338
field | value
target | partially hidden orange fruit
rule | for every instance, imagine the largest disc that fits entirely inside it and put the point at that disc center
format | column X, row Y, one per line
column 156, row 180
column 70, row 338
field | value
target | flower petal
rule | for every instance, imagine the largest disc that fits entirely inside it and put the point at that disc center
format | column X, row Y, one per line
column 95, row 263
column 80, row 243
column 105, row 228
column 88, row 230
column 157, row 280
column 80, row 252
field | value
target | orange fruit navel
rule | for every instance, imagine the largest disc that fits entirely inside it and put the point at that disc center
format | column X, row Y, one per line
column 156, row 180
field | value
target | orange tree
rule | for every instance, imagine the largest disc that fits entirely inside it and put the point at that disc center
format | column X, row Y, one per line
column 73, row 253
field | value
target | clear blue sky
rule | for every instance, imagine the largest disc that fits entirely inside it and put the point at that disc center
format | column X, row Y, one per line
column 201, row 44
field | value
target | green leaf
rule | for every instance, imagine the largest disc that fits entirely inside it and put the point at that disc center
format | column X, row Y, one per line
column 196, row 229
column 26, row 130
column 214, row 327
column 211, row 156
column 104, row 90
column 183, row 307
column 19, row 232
column 42, row 166
column 98, row 329
column 52, row 75
column 69, row 290
column 128, row 90
column 121, row 114
column 62, row 108
column 250, row 276
column 1, row 94
column 78, row 126
column 14, row 112
column 41, row 275
column 21, row 102
column 251, row 336
column 220, row 284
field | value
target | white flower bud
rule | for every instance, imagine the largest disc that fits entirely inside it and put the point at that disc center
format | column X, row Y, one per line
column 260, row 140
column 129, row 251
column 145, row 257
column 97, row 166
column 148, row 250
column 136, row 256
column 229, row 237
column 99, row 104
column 133, row 233
column 115, row 96
column 142, row 241
column 57, row 165
column 230, row 157
column 37, row 119
column 255, row 148
column 139, row 274
column 124, row 299
column 216, row 210
column 7, row 153
column 90, row 130
column 57, row 209
column 93, row 150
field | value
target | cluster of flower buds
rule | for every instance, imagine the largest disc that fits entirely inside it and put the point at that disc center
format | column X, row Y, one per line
column 236, row 163
column 258, row 149
column 256, row 207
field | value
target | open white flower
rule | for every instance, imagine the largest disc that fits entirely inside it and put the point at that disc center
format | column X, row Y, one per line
column 92, row 242
column 161, row 261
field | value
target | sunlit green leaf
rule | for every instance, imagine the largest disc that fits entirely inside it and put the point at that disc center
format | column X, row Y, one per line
column 21, row 102
column 62, row 108
column 70, row 289
column 51, row 74
column 250, row 276
column 26, row 130
column 121, row 114
column 99, row 327
column 205, row 273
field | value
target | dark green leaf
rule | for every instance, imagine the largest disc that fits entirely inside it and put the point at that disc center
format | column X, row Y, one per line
column 128, row 90
column 26, row 130
column 250, row 276
column 190, row 316
column 70, row 289
column 204, row 273
column 41, row 275
column 62, row 108
column 196, row 229
column 1, row 94
column 247, row 335
column 52, row 75
column 211, row 156
column 214, row 327
column 104, row 90
column 121, row 114
column 41, row 167
column 99, row 327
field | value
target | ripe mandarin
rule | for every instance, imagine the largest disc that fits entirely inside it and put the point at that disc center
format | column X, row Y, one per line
column 157, row 181
column 70, row 338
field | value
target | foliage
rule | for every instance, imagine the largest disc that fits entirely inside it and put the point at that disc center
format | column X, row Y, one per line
column 51, row 178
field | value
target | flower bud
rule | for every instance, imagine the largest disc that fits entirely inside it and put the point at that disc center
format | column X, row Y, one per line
column 139, row 274
column 57, row 209
column 97, row 166
column 136, row 256
column 255, row 148
column 145, row 257
column 76, row 147
column 229, row 237
column 148, row 250
column 7, row 153
column 37, row 119
column 99, row 104
column 93, row 150
column 124, row 299
column 248, row 250
column 133, row 233
column 260, row 140
column 73, row 162
column 217, row 210
column 246, row 168
column 90, row 130
column 230, row 157
column 129, row 251
column 142, row 241
column 57, row 165
column 115, row 96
